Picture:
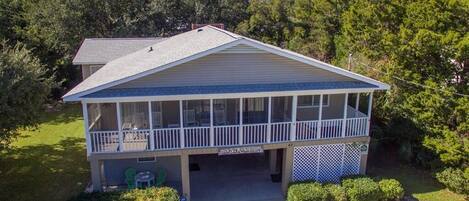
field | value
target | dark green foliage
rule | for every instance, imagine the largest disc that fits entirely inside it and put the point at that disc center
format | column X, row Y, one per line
column 149, row 194
column 307, row 192
column 336, row 192
column 392, row 189
column 23, row 90
column 455, row 179
column 362, row 189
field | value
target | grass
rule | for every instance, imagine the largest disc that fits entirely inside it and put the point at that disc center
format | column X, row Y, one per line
column 417, row 183
column 48, row 163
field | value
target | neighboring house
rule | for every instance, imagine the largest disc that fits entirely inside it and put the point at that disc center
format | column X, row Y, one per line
column 187, row 101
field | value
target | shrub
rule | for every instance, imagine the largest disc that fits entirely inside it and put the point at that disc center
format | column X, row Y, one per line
column 391, row 188
column 336, row 192
column 307, row 192
column 454, row 179
column 362, row 189
column 148, row 194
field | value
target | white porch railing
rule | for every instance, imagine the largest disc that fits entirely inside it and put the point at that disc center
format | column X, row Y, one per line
column 331, row 128
column 197, row 137
column 306, row 130
column 254, row 134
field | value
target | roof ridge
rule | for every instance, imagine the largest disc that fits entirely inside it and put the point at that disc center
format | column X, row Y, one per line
column 136, row 38
column 229, row 33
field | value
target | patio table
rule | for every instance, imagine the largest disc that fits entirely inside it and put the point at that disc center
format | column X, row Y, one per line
column 145, row 177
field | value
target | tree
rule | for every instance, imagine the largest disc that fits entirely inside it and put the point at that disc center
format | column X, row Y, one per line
column 23, row 90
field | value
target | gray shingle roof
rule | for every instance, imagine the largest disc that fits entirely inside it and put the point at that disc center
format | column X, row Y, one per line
column 104, row 50
column 219, row 89
column 165, row 52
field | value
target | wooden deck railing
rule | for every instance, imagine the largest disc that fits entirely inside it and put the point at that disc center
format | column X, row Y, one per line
column 223, row 136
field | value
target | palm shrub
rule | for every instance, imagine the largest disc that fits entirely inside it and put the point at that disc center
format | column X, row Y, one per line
column 392, row 189
column 362, row 189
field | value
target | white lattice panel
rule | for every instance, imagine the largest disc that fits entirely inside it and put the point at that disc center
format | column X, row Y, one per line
column 325, row 163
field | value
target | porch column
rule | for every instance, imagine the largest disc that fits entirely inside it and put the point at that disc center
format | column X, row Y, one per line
column 287, row 167
column 119, row 127
column 357, row 103
column 241, row 121
column 293, row 117
column 211, row 124
column 370, row 104
column 186, row 186
column 269, row 120
column 319, row 117
column 95, row 174
column 344, row 122
column 181, row 124
column 150, row 119
column 87, row 128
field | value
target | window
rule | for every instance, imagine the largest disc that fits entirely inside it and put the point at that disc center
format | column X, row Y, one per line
column 312, row 101
column 146, row 159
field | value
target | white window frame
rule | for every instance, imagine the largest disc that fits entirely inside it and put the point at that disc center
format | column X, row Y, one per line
column 146, row 161
column 312, row 101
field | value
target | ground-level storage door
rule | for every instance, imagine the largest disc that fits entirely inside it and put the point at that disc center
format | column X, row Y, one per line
column 325, row 163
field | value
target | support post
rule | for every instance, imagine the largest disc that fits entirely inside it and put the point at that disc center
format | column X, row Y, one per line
column 357, row 103
column 211, row 124
column 241, row 121
column 370, row 104
column 320, row 117
column 273, row 161
column 344, row 122
column 185, row 177
column 87, row 128
column 150, row 119
column 119, row 127
column 95, row 174
column 287, row 167
column 269, row 120
column 293, row 117
column 181, row 124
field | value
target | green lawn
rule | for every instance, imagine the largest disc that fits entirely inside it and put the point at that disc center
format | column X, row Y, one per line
column 50, row 164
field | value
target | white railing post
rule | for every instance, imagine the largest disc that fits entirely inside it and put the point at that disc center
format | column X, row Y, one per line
column 269, row 120
column 150, row 119
column 320, row 117
column 357, row 103
column 87, row 129
column 293, row 118
column 241, row 121
column 119, row 127
column 211, row 124
column 344, row 122
column 181, row 124
column 370, row 103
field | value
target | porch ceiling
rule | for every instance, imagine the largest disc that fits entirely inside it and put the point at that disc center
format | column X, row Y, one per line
column 221, row 89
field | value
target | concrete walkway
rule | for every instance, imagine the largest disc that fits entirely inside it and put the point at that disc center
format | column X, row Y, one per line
column 233, row 178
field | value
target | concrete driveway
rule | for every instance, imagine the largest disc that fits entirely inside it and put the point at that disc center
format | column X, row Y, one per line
column 233, row 178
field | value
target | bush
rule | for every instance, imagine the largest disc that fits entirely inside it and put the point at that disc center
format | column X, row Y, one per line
column 336, row 192
column 307, row 192
column 148, row 194
column 391, row 188
column 455, row 180
column 362, row 189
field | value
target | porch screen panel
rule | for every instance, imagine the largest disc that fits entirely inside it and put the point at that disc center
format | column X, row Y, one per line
column 196, row 113
column 102, row 116
column 165, row 114
column 255, row 110
column 134, row 115
column 225, row 112
column 281, row 109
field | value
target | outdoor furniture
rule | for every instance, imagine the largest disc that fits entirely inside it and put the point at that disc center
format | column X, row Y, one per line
column 145, row 177
column 130, row 178
column 161, row 179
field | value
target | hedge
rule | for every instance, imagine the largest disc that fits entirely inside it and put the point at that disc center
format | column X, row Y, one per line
column 392, row 189
column 455, row 180
column 362, row 189
column 307, row 192
column 148, row 194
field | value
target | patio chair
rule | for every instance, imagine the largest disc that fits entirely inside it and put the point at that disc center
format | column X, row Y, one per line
column 161, row 177
column 130, row 178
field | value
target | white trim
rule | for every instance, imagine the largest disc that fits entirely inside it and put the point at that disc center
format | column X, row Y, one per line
column 319, row 131
column 245, row 41
column 181, row 124
column 150, row 119
column 212, row 133
column 293, row 117
column 226, row 95
column 344, row 121
column 269, row 120
column 241, row 121
column 312, row 102
column 119, row 127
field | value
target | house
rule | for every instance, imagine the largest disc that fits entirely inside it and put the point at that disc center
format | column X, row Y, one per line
column 220, row 112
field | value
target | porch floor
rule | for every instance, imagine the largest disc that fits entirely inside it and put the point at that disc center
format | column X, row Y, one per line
column 233, row 178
